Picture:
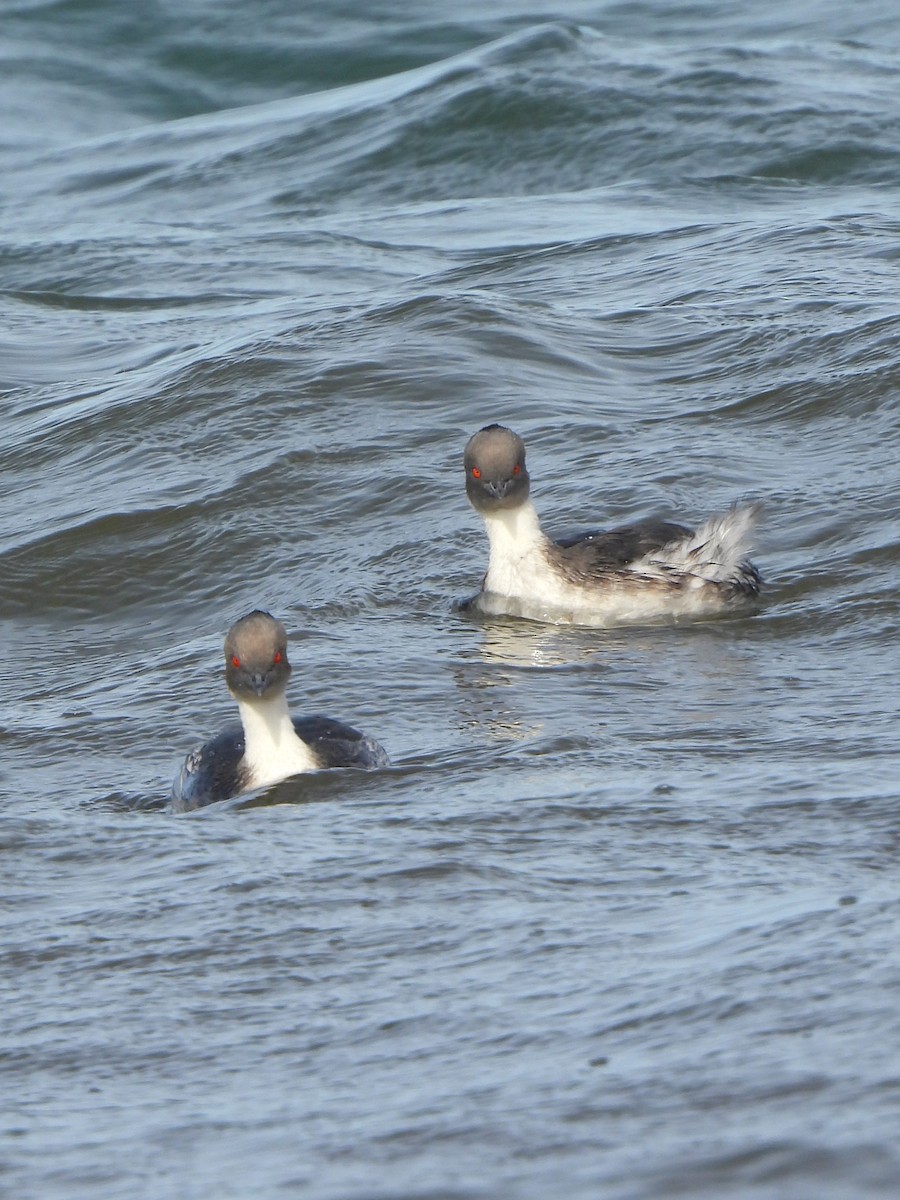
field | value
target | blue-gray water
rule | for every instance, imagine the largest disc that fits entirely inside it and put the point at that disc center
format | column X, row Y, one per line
column 622, row 921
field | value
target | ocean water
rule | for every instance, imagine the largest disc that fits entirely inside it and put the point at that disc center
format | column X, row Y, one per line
column 622, row 919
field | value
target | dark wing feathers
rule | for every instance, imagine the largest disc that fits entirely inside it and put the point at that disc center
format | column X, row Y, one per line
column 339, row 745
column 612, row 548
column 210, row 772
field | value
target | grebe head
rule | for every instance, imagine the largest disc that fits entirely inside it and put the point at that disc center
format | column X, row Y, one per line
column 496, row 476
column 256, row 661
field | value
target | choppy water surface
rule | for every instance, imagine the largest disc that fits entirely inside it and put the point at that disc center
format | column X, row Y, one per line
column 622, row 920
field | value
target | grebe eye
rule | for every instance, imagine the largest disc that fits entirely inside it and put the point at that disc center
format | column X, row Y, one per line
column 476, row 474
column 277, row 659
column 235, row 661
column 516, row 469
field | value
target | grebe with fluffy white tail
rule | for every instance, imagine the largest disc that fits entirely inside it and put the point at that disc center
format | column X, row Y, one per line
column 651, row 573
column 269, row 745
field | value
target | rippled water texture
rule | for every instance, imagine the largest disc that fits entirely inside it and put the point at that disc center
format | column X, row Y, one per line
column 622, row 919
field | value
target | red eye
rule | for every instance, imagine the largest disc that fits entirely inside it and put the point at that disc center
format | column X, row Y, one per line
column 235, row 662
column 476, row 474
column 516, row 469
column 277, row 659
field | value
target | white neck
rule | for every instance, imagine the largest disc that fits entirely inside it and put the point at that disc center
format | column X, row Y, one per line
column 272, row 750
column 517, row 552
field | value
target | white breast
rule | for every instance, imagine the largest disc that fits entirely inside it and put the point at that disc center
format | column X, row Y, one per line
column 272, row 750
column 518, row 564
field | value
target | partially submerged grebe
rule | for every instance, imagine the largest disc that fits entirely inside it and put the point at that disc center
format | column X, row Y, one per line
column 654, row 572
column 269, row 745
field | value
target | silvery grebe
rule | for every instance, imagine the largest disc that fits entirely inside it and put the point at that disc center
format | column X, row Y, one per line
column 654, row 572
column 269, row 745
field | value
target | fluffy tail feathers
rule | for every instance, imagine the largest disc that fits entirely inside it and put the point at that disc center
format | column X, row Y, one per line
column 714, row 553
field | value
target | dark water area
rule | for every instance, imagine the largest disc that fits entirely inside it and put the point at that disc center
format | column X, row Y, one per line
column 622, row 918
